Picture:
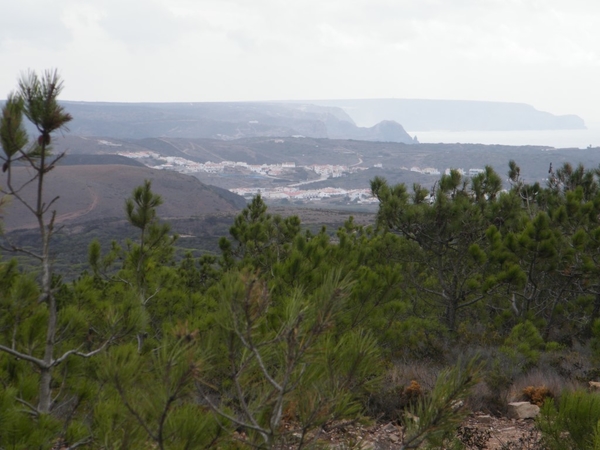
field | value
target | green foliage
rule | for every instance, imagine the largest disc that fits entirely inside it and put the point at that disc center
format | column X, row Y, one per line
column 436, row 417
column 524, row 345
column 154, row 247
column 18, row 431
column 574, row 425
column 288, row 331
column 446, row 252
column 260, row 239
column 40, row 95
column 286, row 359
column 13, row 136
column 151, row 398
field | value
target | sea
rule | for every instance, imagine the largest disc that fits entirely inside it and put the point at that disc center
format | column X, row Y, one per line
column 587, row 138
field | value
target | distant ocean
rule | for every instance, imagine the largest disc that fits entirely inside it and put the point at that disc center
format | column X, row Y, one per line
column 550, row 138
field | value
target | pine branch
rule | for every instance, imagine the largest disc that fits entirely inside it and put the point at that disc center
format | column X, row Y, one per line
column 38, row 362
column 76, row 352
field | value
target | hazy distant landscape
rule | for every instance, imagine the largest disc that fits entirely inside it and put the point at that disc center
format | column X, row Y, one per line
column 310, row 154
column 269, row 225
column 578, row 138
column 208, row 160
column 454, row 115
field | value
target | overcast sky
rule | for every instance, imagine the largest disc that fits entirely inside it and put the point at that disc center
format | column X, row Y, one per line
column 542, row 52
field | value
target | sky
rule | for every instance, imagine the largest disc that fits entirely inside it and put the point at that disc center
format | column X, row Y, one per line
column 542, row 52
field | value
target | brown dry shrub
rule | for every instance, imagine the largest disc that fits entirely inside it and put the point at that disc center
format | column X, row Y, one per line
column 390, row 403
column 403, row 384
column 537, row 394
column 412, row 393
column 402, row 374
column 544, row 383
column 290, row 412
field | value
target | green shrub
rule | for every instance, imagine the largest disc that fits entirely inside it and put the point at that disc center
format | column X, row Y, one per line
column 524, row 345
column 434, row 420
column 574, row 425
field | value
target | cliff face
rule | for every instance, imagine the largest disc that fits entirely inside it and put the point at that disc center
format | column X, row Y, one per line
column 454, row 115
column 370, row 119
column 222, row 121
column 384, row 131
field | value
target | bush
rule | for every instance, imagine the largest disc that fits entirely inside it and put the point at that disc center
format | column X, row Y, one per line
column 524, row 344
column 403, row 386
column 537, row 394
column 436, row 417
column 574, row 425
column 538, row 384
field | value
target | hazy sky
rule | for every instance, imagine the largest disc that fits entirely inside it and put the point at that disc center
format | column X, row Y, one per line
column 542, row 52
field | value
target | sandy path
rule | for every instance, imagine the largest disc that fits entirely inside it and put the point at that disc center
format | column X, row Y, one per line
column 81, row 212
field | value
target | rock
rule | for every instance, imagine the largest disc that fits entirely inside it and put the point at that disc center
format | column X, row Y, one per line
column 411, row 416
column 390, row 428
column 486, row 418
column 523, row 410
column 457, row 404
column 594, row 385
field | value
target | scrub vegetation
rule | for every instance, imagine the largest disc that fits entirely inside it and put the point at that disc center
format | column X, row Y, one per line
column 457, row 298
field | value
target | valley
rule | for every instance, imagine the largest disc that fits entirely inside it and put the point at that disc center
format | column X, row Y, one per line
column 311, row 170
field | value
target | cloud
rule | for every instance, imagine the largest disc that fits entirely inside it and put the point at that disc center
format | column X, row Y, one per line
column 141, row 23
column 33, row 21
column 195, row 50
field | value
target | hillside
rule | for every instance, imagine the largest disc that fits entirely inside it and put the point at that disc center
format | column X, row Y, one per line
column 394, row 161
column 224, row 121
column 98, row 192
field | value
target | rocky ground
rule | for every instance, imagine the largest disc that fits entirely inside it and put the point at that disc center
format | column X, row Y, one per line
column 478, row 432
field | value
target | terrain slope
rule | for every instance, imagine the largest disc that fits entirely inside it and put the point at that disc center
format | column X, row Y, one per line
column 98, row 192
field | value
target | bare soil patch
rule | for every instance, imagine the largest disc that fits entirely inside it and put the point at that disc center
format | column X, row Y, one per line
column 478, row 432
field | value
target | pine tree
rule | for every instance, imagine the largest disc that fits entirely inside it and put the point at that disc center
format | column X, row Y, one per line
column 445, row 253
column 49, row 330
column 37, row 99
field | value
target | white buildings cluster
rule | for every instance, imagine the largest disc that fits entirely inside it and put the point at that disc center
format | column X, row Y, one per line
column 186, row 166
column 108, row 143
column 328, row 170
column 274, row 170
column 290, row 193
column 470, row 172
column 323, row 170
column 426, row 170
column 139, row 155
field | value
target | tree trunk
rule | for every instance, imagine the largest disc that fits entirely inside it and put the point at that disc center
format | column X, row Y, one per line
column 450, row 318
column 45, row 400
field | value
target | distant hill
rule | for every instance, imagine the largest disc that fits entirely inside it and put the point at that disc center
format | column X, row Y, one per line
column 224, row 121
column 453, row 115
column 383, row 120
column 257, row 150
column 97, row 193
column 74, row 159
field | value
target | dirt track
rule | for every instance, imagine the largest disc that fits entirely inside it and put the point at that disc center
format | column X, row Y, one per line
column 79, row 213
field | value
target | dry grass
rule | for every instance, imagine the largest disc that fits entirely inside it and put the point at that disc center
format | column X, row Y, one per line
column 402, row 385
column 537, row 385
column 403, row 374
